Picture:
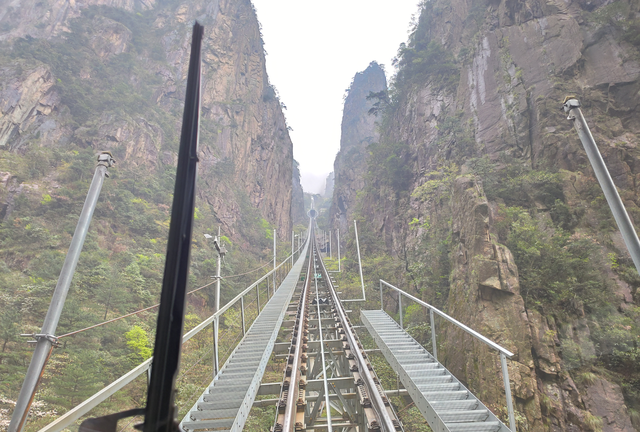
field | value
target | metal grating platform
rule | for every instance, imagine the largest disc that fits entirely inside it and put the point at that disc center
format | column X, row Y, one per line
column 441, row 398
column 225, row 405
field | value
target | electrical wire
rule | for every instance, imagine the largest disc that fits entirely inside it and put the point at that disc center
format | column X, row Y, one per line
column 156, row 305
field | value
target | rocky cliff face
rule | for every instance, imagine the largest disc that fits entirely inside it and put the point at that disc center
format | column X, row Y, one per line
column 358, row 131
column 45, row 99
column 328, row 185
column 481, row 189
column 298, row 215
column 77, row 78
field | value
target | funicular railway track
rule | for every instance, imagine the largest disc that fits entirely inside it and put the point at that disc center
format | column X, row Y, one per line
column 365, row 406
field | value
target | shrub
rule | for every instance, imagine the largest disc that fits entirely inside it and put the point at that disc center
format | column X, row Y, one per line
column 556, row 269
column 587, row 378
column 594, row 423
column 388, row 166
column 138, row 343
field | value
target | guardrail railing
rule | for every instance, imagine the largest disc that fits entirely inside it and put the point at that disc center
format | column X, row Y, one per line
column 83, row 408
column 504, row 353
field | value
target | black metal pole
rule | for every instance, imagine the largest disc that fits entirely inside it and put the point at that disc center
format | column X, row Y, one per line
column 161, row 411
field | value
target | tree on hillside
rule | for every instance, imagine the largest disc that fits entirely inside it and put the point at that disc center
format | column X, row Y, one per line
column 8, row 329
column 79, row 379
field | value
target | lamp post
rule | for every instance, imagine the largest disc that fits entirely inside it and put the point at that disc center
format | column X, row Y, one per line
column 216, row 307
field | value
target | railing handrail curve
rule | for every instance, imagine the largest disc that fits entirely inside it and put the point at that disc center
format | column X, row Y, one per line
column 452, row 320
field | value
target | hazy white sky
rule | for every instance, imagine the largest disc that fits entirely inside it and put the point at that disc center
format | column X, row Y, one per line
column 314, row 50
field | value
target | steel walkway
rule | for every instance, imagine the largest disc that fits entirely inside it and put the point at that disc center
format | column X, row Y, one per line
column 225, row 405
column 441, row 398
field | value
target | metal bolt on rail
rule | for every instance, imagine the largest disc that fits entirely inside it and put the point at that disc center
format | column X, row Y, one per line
column 45, row 340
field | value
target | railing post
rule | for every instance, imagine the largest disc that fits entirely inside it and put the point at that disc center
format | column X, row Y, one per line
column 400, row 308
column 355, row 227
column 381, row 300
column 216, row 321
column 244, row 331
column 339, row 268
column 293, row 251
column 434, row 347
column 275, row 263
column 215, row 346
column 507, row 391
column 258, row 297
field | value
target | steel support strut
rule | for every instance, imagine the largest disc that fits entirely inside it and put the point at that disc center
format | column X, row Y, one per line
column 45, row 341
column 572, row 107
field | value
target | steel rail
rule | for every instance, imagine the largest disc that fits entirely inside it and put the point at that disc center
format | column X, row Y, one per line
column 314, row 248
column 453, row 321
column 386, row 422
column 287, row 420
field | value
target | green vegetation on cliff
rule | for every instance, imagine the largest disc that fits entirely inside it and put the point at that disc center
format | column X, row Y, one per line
column 479, row 200
column 110, row 83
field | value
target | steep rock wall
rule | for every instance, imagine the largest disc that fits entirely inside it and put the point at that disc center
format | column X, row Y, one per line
column 358, row 131
column 78, row 78
column 473, row 153
column 242, row 121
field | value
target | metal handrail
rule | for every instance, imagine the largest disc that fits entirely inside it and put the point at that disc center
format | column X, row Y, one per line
column 226, row 307
column 83, row 408
column 454, row 321
column 504, row 353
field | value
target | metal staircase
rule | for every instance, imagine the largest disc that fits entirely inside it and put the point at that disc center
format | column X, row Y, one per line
column 441, row 398
column 225, row 404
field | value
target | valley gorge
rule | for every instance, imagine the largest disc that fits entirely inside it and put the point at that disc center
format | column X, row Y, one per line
column 470, row 187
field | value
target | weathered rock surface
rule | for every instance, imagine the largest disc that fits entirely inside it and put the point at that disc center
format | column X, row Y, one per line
column 485, row 295
column 242, row 122
column 298, row 216
column 605, row 400
column 358, row 131
column 26, row 99
column 517, row 60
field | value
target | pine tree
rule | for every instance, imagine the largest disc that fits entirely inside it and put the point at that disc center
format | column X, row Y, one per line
column 80, row 378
